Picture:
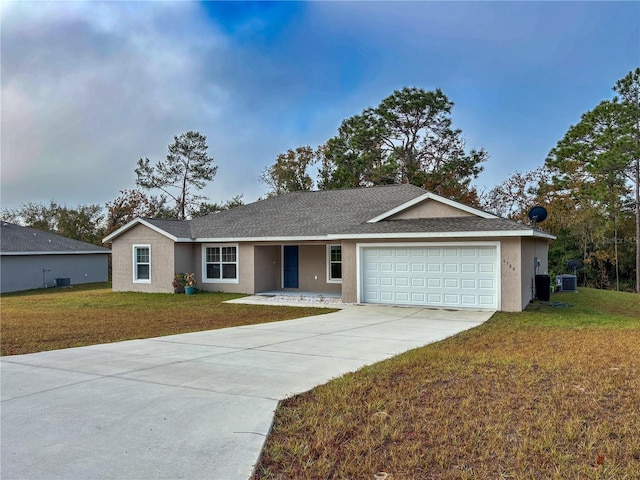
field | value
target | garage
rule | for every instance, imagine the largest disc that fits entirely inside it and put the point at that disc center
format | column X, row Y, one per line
column 445, row 275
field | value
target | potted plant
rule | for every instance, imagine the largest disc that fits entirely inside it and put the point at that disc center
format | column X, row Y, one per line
column 189, row 283
column 178, row 283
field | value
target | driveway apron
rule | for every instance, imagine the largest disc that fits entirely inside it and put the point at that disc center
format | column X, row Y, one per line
column 192, row 406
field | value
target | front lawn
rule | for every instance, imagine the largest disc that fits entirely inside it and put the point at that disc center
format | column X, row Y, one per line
column 89, row 314
column 550, row 393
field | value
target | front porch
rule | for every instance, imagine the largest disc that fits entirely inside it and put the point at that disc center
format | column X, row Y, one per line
column 299, row 294
column 290, row 298
column 302, row 270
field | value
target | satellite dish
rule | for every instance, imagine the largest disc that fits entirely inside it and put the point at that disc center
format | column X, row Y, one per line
column 575, row 265
column 537, row 215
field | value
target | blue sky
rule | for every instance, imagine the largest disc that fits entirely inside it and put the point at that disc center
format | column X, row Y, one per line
column 88, row 88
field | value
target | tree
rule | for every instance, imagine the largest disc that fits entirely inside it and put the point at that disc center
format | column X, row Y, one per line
column 289, row 172
column 516, row 195
column 205, row 208
column 34, row 215
column 408, row 138
column 355, row 157
column 596, row 165
column 186, row 168
column 131, row 204
column 84, row 222
column 629, row 90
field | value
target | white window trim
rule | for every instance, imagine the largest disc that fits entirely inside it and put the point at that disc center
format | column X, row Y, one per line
column 134, row 249
column 204, row 263
column 329, row 279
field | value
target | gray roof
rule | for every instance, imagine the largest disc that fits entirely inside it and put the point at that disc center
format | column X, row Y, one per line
column 15, row 239
column 177, row 228
column 304, row 214
column 319, row 214
column 432, row 225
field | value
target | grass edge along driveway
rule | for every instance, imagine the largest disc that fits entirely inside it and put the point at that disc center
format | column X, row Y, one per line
column 549, row 393
column 40, row 320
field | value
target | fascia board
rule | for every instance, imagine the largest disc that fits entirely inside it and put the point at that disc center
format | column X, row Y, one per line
column 543, row 235
column 140, row 221
column 121, row 230
column 259, row 239
column 88, row 252
column 437, row 198
column 496, row 233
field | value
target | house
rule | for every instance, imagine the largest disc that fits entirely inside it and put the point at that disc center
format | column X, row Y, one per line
column 31, row 258
column 396, row 244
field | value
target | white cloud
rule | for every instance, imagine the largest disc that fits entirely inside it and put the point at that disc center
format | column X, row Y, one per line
column 89, row 88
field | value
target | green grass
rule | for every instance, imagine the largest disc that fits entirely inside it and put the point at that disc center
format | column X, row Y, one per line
column 549, row 393
column 50, row 319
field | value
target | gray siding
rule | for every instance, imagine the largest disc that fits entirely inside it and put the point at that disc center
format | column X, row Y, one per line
column 25, row 272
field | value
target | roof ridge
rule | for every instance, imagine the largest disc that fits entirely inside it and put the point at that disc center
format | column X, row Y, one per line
column 165, row 219
column 346, row 189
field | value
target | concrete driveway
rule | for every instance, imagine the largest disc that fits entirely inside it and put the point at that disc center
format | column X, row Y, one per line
column 192, row 406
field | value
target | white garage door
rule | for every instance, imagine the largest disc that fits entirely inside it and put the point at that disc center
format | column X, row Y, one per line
column 442, row 276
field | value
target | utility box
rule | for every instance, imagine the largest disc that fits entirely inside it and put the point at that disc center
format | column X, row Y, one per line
column 567, row 283
column 543, row 287
column 63, row 282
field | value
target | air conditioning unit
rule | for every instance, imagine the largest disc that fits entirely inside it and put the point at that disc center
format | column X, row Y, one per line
column 567, row 283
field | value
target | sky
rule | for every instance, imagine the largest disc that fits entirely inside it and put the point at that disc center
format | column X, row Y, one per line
column 88, row 88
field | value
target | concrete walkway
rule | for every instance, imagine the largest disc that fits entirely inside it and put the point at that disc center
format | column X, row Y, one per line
column 192, row 406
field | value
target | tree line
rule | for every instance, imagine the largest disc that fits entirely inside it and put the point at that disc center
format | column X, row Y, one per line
column 590, row 185
column 408, row 138
column 589, row 182
column 186, row 169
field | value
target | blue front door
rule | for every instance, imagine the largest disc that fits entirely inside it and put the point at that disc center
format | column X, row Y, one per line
column 290, row 266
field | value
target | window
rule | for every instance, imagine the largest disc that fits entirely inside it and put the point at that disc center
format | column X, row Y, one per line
column 220, row 263
column 142, row 263
column 334, row 267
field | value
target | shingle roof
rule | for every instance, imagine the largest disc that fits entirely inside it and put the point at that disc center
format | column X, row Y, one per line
column 304, row 213
column 177, row 228
column 328, row 213
column 17, row 239
column 432, row 225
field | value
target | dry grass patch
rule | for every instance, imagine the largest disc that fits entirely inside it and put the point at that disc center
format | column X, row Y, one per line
column 546, row 394
column 90, row 314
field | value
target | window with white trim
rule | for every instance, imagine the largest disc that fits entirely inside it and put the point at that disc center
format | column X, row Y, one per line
column 220, row 263
column 334, row 263
column 142, row 263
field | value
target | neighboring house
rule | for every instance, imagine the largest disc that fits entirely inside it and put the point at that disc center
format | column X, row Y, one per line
column 31, row 258
column 398, row 245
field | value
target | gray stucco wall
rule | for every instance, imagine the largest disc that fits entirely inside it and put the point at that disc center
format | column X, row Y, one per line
column 184, row 258
column 162, row 261
column 431, row 209
column 313, row 270
column 533, row 249
column 267, row 267
column 25, row 272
